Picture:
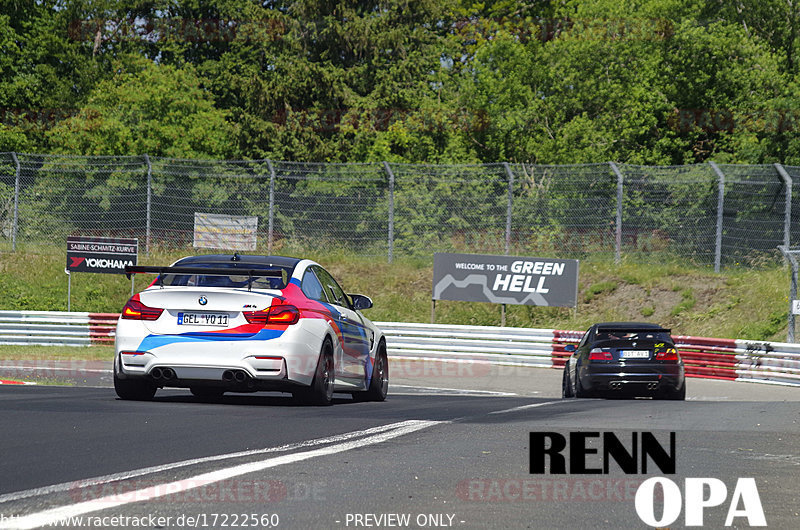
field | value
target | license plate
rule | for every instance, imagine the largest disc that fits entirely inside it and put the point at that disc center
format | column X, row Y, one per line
column 202, row 319
column 636, row 354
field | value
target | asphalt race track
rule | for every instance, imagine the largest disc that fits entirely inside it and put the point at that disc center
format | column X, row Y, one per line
column 449, row 448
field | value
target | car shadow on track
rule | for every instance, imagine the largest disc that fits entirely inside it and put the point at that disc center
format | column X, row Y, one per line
column 251, row 400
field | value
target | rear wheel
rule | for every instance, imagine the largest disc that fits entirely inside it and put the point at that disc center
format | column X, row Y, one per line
column 580, row 392
column 566, row 384
column 133, row 389
column 379, row 384
column 321, row 390
column 677, row 395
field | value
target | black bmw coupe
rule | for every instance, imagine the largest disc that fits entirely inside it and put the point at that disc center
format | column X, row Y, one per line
column 616, row 359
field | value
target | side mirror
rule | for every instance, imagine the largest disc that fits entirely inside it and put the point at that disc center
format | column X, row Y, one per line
column 360, row 301
column 569, row 348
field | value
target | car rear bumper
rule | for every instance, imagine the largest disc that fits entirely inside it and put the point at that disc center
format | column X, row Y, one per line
column 633, row 378
column 285, row 360
column 249, row 374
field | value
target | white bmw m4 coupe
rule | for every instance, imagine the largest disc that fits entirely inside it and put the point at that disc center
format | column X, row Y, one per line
column 244, row 323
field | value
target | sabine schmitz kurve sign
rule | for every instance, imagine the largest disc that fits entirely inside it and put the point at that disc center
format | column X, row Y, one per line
column 505, row 279
column 107, row 255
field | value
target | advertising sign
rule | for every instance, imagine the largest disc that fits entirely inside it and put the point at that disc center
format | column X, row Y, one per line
column 225, row 231
column 505, row 279
column 101, row 254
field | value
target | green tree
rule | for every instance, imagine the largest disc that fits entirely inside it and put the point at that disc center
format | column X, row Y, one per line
column 148, row 108
column 44, row 73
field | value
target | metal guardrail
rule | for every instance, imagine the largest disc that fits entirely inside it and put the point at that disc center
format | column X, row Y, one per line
column 57, row 328
column 704, row 357
column 504, row 345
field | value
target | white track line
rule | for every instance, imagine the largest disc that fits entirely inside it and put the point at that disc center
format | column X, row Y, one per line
column 53, row 515
column 525, row 407
column 116, row 477
column 456, row 390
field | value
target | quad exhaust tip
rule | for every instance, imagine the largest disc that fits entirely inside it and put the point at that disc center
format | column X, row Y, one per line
column 617, row 385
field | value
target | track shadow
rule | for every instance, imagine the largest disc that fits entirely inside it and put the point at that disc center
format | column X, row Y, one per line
column 247, row 400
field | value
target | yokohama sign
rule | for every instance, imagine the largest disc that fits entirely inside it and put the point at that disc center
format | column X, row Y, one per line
column 101, row 254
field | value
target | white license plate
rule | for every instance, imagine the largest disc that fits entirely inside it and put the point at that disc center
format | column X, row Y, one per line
column 636, row 354
column 202, row 319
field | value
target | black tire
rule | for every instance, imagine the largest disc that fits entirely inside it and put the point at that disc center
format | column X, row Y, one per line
column 206, row 392
column 676, row 395
column 580, row 392
column 321, row 390
column 566, row 385
column 134, row 389
column 379, row 384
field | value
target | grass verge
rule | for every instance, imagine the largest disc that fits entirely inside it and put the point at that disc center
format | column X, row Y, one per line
column 736, row 303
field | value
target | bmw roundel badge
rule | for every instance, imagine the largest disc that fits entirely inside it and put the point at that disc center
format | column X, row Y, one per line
column 203, row 300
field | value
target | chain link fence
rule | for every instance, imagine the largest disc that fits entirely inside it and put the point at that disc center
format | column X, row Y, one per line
column 716, row 215
column 563, row 211
column 671, row 208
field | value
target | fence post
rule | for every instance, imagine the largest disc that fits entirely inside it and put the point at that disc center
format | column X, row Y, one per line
column 149, row 200
column 271, row 222
column 720, row 209
column 787, row 253
column 16, row 202
column 787, row 219
column 390, row 174
column 618, row 231
column 510, row 205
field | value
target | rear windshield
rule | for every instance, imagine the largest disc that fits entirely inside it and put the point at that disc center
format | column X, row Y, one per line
column 621, row 334
column 232, row 281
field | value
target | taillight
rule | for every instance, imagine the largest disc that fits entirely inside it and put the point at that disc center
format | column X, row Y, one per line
column 670, row 354
column 135, row 310
column 599, row 354
column 279, row 314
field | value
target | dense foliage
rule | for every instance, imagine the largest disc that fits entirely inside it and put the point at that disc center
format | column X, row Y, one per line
column 537, row 81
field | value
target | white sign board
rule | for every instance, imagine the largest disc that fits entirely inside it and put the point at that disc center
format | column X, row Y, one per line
column 505, row 279
column 796, row 307
column 234, row 232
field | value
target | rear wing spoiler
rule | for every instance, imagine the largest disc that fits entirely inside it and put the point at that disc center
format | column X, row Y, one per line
column 632, row 329
column 207, row 271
